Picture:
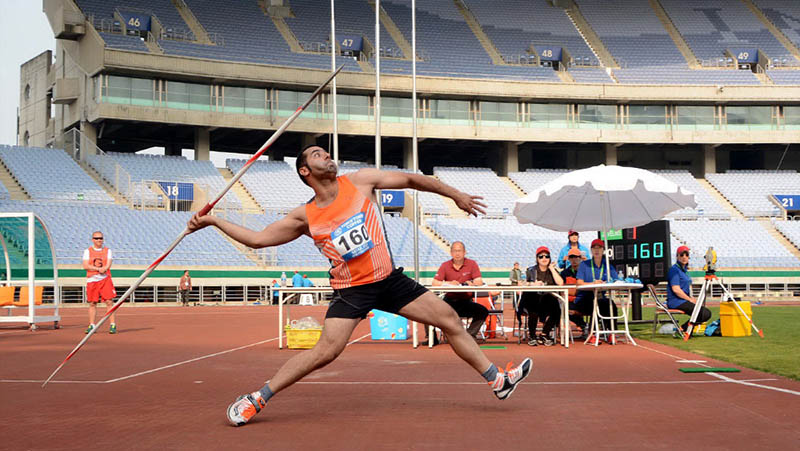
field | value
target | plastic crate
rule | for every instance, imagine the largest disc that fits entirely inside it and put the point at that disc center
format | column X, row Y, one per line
column 302, row 338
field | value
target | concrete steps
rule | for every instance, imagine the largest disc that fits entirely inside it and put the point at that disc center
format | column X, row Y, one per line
column 427, row 231
column 477, row 30
column 565, row 76
column 763, row 78
column 246, row 251
column 288, row 34
column 394, row 32
column 779, row 35
column 249, row 203
column 514, row 187
column 676, row 36
column 720, row 198
column 366, row 66
column 197, row 28
column 779, row 237
column 15, row 190
column 152, row 45
column 110, row 190
column 588, row 34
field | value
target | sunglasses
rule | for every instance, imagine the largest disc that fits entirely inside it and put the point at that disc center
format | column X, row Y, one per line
column 574, row 256
column 543, row 256
column 683, row 254
column 97, row 237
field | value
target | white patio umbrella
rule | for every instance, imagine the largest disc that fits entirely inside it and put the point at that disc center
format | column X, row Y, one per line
column 602, row 198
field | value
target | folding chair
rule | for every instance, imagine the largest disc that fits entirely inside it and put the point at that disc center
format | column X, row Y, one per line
column 662, row 309
column 494, row 320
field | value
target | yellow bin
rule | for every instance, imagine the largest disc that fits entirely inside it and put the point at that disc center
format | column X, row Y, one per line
column 732, row 322
column 302, row 338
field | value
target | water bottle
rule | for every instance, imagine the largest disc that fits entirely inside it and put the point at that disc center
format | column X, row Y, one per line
column 283, row 279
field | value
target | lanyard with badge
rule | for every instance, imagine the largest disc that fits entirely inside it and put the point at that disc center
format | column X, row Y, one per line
column 602, row 269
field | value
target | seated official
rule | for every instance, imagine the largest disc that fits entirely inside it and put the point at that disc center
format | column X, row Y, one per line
column 570, row 276
column 462, row 271
column 679, row 289
column 596, row 270
column 542, row 306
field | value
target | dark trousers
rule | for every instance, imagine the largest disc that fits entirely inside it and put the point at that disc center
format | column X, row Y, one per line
column 688, row 307
column 184, row 296
column 537, row 306
column 577, row 318
column 604, row 305
column 467, row 308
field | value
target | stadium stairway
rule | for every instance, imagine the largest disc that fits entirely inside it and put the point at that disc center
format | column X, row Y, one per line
column 118, row 198
column 248, row 201
column 779, row 237
column 153, row 46
column 15, row 190
column 779, row 35
column 394, row 31
column 430, row 233
column 197, row 28
column 676, row 36
column 720, row 198
column 592, row 40
column 285, row 31
column 487, row 43
column 514, row 187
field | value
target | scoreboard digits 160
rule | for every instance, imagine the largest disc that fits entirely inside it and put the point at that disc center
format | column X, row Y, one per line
column 641, row 252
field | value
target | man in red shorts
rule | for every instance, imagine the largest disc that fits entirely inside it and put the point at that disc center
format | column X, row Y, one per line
column 97, row 262
column 345, row 222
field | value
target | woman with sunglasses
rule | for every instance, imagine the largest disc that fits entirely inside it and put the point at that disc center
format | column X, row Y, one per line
column 541, row 305
column 679, row 290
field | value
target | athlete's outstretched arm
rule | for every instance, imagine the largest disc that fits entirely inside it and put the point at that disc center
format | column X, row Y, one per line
column 376, row 179
column 286, row 229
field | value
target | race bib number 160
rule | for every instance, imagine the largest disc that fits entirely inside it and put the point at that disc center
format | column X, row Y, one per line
column 351, row 239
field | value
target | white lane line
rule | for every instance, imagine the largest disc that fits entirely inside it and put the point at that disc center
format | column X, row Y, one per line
column 190, row 360
column 670, row 355
column 705, row 381
column 751, row 384
column 32, row 381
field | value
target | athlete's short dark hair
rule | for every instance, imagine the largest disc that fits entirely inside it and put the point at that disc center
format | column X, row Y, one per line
column 301, row 161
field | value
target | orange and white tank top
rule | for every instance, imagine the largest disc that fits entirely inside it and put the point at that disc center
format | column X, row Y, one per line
column 350, row 234
column 98, row 258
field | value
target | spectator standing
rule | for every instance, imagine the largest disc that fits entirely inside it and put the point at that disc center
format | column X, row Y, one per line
column 307, row 282
column 275, row 293
column 515, row 276
column 572, row 243
column 184, row 287
column 297, row 279
column 99, row 286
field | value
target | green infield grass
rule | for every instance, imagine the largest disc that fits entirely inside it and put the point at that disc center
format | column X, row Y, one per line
column 777, row 353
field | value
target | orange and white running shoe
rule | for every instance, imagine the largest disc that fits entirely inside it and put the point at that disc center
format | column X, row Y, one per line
column 506, row 382
column 245, row 407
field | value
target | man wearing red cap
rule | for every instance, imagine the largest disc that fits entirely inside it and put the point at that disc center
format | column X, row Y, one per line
column 570, row 276
column 679, row 288
column 572, row 243
column 596, row 270
column 542, row 306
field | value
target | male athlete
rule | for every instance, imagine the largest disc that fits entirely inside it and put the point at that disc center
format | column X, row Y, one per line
column 345, row 222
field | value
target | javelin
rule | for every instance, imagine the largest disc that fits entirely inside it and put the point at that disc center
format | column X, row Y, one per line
column 202, row 212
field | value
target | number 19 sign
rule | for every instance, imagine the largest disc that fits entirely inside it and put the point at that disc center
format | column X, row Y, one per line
column 391, row 198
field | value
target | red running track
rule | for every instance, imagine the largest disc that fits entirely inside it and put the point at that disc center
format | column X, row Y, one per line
column 165, row 380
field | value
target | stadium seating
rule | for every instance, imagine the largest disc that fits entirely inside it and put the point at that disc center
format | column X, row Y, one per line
column 590, row 75
column 311, row 23
column 480, row 182
column 520, row 23
column 164, row 11
column 118, row 41
column 713, row 26
column 135, row 237
column 789, row 229
column 51, row 174
column 784, row 76
column 450, row 47
column 4, row 194
column 273, row 184
column 749, row 191
column 498, row 243
column 143, row 167
column 532, row 179
column 785, row 16
column 738, row 243
column 707, row 206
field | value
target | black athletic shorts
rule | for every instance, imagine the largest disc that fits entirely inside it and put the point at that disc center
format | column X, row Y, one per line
column 390, row 295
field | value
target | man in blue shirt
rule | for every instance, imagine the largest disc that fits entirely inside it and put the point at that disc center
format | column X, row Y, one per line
column 275, row 284
column 679, row 289
column 596, row 270
column 572, row 243
column 307, row 282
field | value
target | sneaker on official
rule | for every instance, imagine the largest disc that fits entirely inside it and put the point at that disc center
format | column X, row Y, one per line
column 506, row 382
column 547, row 341
column 89, row 329
column 611, row 339
column 245, row 408
column 593, row 339
column 113, row 329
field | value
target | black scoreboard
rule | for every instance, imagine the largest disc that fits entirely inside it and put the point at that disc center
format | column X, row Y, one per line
column 641, row 252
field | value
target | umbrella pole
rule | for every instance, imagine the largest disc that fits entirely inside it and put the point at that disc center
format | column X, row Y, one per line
column 605, row 235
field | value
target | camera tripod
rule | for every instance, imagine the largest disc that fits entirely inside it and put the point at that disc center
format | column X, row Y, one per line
column 708, row 283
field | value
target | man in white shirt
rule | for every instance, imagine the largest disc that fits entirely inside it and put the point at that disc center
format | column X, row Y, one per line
column 97, row 262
